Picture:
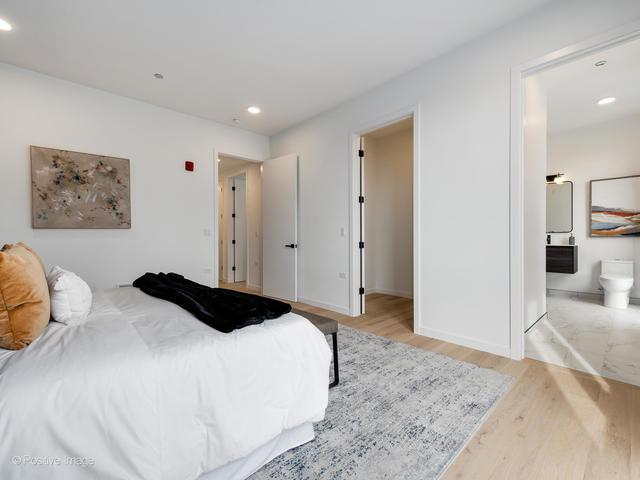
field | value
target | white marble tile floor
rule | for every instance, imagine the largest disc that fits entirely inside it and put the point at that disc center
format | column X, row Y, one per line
column 580, row 333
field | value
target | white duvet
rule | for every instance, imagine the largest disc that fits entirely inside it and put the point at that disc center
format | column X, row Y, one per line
column 144, row 390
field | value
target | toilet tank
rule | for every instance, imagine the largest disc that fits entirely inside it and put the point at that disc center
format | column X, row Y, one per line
column 618, row 267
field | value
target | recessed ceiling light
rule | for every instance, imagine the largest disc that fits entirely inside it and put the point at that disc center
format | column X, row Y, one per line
column 159, row 76
column 253, row 110
column 606, row 100
column 235, row 120
column 4, row 25
column 601, row 63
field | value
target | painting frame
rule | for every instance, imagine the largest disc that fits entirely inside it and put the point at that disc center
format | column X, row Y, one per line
column 598, row 214
column 73, row 190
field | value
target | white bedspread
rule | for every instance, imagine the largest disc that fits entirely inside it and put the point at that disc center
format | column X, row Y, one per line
column 146, row 391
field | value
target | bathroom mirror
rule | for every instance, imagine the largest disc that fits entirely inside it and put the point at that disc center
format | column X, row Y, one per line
column 559, row 207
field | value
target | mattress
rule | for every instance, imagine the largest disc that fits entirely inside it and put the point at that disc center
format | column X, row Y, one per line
column 144, row 390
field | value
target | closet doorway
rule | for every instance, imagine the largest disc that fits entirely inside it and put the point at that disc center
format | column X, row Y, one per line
column 385, row 220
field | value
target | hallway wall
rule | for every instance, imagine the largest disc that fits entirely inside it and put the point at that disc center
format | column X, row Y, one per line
column 464, row 106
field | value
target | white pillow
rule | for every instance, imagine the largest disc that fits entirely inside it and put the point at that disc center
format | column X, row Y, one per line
column 70, row 296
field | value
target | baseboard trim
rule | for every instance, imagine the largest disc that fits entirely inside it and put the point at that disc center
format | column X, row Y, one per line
column 503, row 351
column 394, row 293
column 326, row 306
column 255, row 288
column 569, row 293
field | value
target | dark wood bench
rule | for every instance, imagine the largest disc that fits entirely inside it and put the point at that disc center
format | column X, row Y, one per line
column 327, row 326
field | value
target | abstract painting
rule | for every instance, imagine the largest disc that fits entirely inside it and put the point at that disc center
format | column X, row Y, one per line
column 79, row 190
column 615, row 207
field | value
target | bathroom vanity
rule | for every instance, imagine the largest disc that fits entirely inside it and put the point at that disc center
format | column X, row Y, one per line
column 562, row 258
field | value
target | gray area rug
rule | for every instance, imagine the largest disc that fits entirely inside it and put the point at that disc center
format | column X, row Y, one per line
column 399, row 412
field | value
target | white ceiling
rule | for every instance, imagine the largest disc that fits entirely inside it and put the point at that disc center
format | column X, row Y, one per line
column 573, row 89
column 293, row 58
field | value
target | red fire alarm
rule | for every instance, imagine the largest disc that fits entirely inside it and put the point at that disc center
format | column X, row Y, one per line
column 188, row 166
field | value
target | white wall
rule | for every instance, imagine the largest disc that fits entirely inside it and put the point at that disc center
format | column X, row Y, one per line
column 606, row 150
column 389, row 213
column 464, row 100
column 172, row 210
column 535, row 211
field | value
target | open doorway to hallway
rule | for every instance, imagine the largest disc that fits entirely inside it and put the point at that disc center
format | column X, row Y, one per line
column 239, row 222
column 386, row 221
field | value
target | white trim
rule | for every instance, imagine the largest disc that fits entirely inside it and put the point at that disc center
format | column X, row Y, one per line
column 216, row 223
column 394, row 293
column 516, row 163
column 494, row 348
column 326, row 306
column 255, row 288
column 354, row 144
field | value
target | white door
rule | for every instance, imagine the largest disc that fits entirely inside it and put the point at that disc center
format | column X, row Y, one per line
column 535, row 201
column 236, row 229
column 280, row 227
column 241, row 228
column 221, row 231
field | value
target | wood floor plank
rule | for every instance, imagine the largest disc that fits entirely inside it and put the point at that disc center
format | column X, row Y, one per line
column 634, row 462
column 614, row 437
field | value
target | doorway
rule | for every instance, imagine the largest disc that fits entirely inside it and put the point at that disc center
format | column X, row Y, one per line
column 517, row 249
column 581, row 134
column 383, row 223
column 239, row 222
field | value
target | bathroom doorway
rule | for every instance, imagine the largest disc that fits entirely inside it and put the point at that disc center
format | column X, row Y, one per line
column 581, row 289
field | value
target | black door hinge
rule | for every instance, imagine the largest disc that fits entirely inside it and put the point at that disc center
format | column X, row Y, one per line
column 361, row 291
column 361, row 245
column 233, row 189
column 233, row 215
column 360, row 199
column 361, row 153
column 233, row 268
column 233, row 242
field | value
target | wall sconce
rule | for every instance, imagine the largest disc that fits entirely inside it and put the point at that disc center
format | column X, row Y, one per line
column 557, row 178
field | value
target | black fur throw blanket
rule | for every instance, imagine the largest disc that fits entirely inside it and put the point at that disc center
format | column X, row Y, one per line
column 222, row 309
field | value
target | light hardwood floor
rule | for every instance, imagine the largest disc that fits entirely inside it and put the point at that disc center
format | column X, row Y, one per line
column 554, row 423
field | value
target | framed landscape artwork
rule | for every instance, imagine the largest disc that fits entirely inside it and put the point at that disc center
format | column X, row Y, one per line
column 615, row 207
column 79, row 190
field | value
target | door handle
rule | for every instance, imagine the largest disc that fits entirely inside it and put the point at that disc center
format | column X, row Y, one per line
column 291, row 245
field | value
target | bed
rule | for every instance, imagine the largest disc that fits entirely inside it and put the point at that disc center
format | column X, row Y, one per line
column 144, row 390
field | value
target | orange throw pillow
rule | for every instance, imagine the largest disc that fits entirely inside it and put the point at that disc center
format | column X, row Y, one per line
column 24, row 297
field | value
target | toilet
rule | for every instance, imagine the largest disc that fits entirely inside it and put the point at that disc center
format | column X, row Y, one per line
column 616, row 279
